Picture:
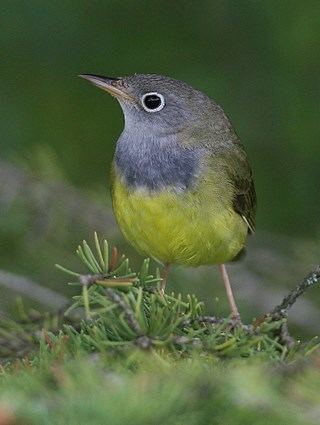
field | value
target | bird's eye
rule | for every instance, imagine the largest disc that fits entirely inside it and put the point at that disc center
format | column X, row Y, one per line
column 152, row 102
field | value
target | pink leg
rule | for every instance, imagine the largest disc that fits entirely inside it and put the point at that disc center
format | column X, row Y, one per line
column 165, row 273
column 232, row 303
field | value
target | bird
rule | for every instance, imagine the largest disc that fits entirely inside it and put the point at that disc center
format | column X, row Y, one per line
column 181, row 185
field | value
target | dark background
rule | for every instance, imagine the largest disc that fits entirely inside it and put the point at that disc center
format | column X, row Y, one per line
column 259, row 59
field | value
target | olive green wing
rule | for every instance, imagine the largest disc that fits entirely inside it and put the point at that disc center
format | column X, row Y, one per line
column 226, row 154
column 245, row 200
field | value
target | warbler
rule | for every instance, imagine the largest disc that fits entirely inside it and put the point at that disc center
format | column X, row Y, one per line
column 182, row 188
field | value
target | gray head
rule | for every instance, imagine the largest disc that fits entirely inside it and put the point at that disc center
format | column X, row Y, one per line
column 160, row 104
column 168, row 127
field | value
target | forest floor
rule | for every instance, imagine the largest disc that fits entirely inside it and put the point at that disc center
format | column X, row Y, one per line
column 124, row 353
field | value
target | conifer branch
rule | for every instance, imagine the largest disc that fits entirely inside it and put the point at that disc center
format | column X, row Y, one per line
column 128, row 313
column 148, row 319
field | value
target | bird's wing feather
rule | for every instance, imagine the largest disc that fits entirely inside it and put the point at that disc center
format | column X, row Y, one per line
column 245, row 201
column 226, row 153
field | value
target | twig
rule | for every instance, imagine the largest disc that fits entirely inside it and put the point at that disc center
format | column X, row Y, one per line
column 33, row 290
column 144, row 342
column 282, row 309
column 212, row 320
column 285, row 337
column 90, row 279
column 103, row 280
column 128, row 313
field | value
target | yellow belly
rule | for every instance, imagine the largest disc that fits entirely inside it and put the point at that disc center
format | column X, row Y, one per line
column 188, row 228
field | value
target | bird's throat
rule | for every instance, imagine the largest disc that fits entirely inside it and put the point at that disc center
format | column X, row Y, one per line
column 153, row 164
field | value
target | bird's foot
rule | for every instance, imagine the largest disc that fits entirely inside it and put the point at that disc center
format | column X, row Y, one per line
column 235, row 321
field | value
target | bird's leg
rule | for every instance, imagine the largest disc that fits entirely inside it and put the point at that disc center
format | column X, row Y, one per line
column 165, row 273
column 232, row 303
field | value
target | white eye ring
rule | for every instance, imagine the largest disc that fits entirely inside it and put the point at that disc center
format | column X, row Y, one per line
column 157, row 107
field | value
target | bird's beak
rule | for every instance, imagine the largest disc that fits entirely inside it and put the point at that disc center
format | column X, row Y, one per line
column 112, row 85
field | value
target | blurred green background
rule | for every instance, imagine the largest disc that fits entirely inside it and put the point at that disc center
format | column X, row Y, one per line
column 259, row 59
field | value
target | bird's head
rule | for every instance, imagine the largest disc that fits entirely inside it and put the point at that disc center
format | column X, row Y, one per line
column 155, row 103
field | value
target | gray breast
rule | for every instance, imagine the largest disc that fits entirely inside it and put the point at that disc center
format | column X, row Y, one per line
column 155, row 164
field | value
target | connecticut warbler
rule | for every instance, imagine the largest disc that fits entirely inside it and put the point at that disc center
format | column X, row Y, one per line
column 182, row 188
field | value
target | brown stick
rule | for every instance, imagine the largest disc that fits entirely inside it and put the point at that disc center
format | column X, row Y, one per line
column 282, row 309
